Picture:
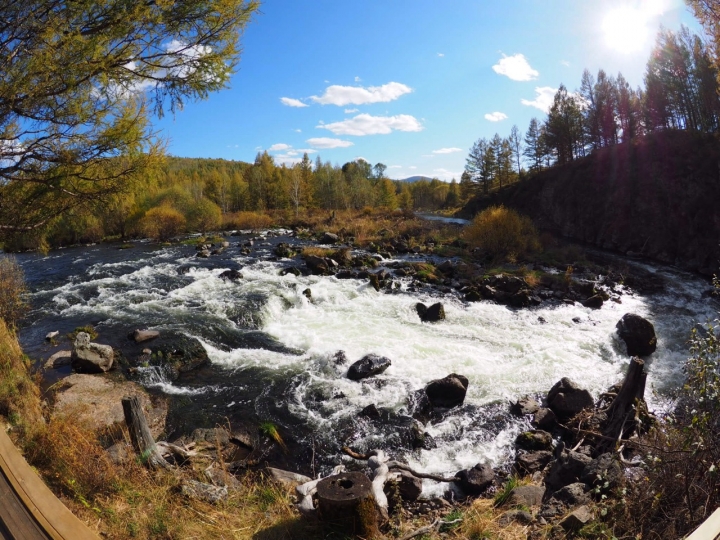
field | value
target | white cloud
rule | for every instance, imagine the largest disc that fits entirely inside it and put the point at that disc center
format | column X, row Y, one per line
column 440, row 55
column 358, row 79
column 358, row 95
column 496, row 116
column 515, row 67
column 447, row 150
column 327, row 142
column 413, row 167
column 286, row 159
column 365, row 124
column 349, row 111
column 307, row 150
column 565, row 63
column 544, row 96
column 290, row 102
column 444, row 174
column 395, row 167
column 298, row 131
column 278, row 147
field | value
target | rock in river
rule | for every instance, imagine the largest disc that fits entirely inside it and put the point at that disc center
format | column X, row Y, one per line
column 434, row 313
column 90, row 357
column 638, row 334
column 447, row 392
column 367, row 366
column 566, row 398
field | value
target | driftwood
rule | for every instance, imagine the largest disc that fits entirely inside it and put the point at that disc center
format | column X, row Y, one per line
column 622, row 413
column 435, row 525
column 142, row 439
column 308, row 489
column 398, row 465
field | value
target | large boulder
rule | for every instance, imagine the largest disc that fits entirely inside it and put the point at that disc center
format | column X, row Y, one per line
column 566, row 398
column 529, row 495
column 367, row 366
column 523, row 406
column 329, row 238
column 96, row 402
column 476, row 480
column 638, row 334
column 138, row 336
column 447, row 392
column 535, row 439
column 433, row 313
column 604, row 468
column 531, row 462
column 88, row 357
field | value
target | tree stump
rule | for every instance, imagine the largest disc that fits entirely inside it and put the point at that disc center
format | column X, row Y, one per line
column 621, row 415
column 346, row 500
column 142, row 439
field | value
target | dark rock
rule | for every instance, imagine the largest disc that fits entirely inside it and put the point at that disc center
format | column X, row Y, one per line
column 446, row 267
column 284, row 251
column 524, row 406
column 178, row 354
column 447, row 392
column 577, row 519
column 576, row 320
column 531, row 462
column 367, row 366
column 566, row 398
column 594, row 302
column 317, row 265
column 204, row 254
column 534, row 440
column 291, row 270
column 410, row 487
column 433, row 313
column 329, row 238
column 308, row 294
column 472, row 295
column 231, row 275
column 552, row 508
column 340, row 358
column 476, row 480
column 544, row 419
column 345, row 274
column 604, row 468
column 572, row 495
column 211, row 435
column 371, row 411
column 530, row 495
column 90, row 357
column 566, row 470
column 638, row 334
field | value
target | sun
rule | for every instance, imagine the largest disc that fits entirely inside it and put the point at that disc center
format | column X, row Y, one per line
column 625, row 29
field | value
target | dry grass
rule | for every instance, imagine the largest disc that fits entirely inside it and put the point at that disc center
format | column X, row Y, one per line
column 248, row 220
column 12, row 291
column 19, row 394
column 312, row 251
column 481, row 521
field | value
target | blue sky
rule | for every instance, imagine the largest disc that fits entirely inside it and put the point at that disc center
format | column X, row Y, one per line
column 410, row 83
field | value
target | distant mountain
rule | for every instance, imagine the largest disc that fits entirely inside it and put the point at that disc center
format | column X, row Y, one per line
column 412, row 179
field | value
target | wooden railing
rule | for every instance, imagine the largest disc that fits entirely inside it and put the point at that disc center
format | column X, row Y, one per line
column 29, row 510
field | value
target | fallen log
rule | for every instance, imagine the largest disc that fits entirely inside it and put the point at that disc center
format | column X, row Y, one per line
column 347, row 500
column 142, row 439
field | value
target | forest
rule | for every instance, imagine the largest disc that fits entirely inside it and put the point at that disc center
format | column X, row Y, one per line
column 174, row 195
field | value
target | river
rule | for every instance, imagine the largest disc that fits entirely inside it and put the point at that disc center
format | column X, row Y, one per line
column 272, row 349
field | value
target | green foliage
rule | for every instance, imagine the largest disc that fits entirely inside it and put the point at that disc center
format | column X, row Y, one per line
column 12, row 291
column 502, row 234
column 79, row 82
column 270, row 430
column 502, row 496
column 88, row 329
column 204, row 216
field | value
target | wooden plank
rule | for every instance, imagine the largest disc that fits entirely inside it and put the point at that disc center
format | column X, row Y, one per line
column 47, row 510
column 15, row 520
column 709, row 530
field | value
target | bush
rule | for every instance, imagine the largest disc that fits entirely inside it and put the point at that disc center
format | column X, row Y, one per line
column 19, row 395
column 502, row 233
column 12, row 291
column 250, row 220
column 204, row 216
column 162, row 223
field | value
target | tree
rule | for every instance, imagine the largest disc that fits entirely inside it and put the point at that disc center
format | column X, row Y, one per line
column 534, row 145
column 480, row 163
column 79, row 80
column 379, row 170
column 515, row 141
column 564, row 126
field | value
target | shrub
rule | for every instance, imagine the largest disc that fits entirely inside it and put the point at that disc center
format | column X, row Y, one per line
column 251, row 220
column 162, row 223
column 12, row 291
column 502, row 233
column 19, row 395
column 204, row 216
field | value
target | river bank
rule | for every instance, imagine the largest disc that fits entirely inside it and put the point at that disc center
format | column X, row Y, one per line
column 272, row 346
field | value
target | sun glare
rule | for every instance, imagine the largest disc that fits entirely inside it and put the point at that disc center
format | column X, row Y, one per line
column 626, row 29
